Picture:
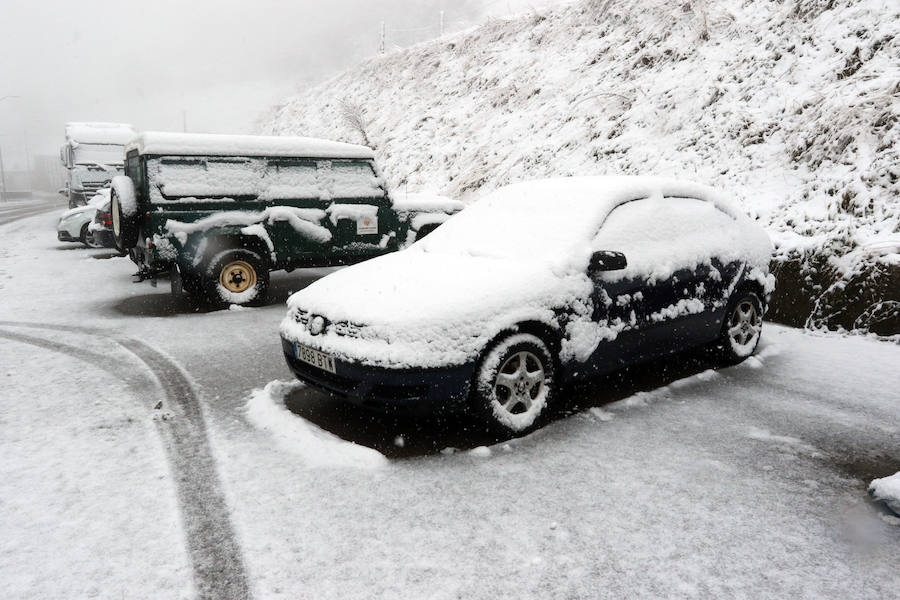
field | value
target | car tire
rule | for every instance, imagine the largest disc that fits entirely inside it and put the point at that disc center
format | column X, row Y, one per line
column 236, row 276
column 741, row 328
column 515, row 382
column 123, row 210
column 83, row 235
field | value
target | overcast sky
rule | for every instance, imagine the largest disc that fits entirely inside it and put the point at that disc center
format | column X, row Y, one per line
column 214, row 64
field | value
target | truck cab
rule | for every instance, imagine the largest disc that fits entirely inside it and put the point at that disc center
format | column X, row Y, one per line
column 93, row 154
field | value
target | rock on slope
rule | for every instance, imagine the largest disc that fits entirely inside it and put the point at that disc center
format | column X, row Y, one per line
column 792, row 106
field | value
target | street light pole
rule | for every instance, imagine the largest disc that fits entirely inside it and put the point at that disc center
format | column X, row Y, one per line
column 3, row 194
column 2, row 177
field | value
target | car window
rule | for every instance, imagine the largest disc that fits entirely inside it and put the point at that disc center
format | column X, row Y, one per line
column 660, row 235
column 208, row 177
column 285, row 180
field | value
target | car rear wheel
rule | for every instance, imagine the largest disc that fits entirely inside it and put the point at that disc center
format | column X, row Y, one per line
column 742, row 328
column 515, row 382
column 237, row 276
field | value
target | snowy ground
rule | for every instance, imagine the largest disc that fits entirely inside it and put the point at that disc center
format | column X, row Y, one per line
column 667, row 480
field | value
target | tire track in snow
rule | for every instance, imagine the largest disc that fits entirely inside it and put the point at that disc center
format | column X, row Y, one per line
column 218, row 566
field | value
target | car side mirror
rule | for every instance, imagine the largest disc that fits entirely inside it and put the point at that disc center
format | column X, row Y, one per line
column 606, row 260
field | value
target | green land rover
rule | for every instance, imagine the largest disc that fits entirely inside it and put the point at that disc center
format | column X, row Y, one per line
column 217, row 213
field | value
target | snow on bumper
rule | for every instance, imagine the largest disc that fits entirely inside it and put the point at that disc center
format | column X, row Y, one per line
column 426, row 346
column 409, row 390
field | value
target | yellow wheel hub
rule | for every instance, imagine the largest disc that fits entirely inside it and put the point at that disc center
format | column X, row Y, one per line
column 237, row 276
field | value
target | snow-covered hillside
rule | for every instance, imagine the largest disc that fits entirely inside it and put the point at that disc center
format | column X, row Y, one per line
column 791, row 106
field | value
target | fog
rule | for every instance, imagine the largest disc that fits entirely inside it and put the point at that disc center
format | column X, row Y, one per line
column 204, row 66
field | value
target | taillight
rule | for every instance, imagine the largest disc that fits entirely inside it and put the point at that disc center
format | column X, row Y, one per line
column 106, row 218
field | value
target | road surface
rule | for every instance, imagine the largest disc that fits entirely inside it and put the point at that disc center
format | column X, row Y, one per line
column 146, row 458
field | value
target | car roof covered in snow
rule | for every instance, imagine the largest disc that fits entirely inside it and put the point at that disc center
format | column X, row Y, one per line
column 100, row 133
column 208, row 144
column 604, row 190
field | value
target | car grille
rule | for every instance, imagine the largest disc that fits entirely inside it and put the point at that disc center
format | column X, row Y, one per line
column 344, row 328
column 94, row 186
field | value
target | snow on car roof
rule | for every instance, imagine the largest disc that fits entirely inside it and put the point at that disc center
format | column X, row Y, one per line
column 208, row 144
column 550, row 215
column 100, row 133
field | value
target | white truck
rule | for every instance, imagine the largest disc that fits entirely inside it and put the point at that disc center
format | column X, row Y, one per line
column 93, row 154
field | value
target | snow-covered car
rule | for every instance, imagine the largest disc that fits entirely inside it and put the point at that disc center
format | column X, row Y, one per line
column 74, row 224
column 536, row 285
column 217, row 213
column 100, row 231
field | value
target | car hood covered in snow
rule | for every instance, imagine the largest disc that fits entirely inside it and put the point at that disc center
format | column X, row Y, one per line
column 417, row 308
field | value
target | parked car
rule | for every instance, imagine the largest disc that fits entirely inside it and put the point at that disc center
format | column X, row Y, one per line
column 74, row 224
column 536, row 285
column 217, row 213
column 100, row 231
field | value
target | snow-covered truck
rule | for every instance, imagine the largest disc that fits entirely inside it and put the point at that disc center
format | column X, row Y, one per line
column 217, row 213
column 93, row 154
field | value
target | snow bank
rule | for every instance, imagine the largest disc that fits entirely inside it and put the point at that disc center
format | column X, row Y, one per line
column 887, row 489
column 207, row 144
column 315, row 446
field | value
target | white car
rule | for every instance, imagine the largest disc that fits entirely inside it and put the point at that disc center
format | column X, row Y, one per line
column 74, row 224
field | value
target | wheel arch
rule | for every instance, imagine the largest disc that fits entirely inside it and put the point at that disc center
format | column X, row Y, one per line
column 219, row 242
column 750, row 285
column 551, row 336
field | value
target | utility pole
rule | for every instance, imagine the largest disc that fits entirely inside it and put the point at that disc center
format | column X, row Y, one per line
column 3, row 194
column 2, row 178
column 382, row 38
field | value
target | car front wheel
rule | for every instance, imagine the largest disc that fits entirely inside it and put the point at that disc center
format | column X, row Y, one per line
column 515, row 382
column 742, row 328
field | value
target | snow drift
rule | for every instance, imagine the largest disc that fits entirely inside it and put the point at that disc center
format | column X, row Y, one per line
column 790, row 107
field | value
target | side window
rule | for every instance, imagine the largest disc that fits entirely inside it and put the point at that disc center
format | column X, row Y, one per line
column 661, row 235
column 353, row 179
column 289, row 179
column 133, row 170
column 208, row 177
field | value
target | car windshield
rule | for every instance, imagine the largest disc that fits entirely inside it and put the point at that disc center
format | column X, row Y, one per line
column 522, row 222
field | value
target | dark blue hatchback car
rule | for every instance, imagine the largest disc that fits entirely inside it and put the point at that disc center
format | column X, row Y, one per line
column 535, row 285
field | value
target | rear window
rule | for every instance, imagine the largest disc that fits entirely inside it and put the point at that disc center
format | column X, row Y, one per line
column 176, row 179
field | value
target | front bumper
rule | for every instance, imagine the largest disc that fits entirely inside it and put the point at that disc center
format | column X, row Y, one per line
column 409, row 391
column 64, row 236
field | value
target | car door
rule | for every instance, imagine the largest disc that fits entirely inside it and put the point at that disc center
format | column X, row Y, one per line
column 666, row 283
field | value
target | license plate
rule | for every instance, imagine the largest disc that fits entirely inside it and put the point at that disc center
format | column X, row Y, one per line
column 314, row 357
